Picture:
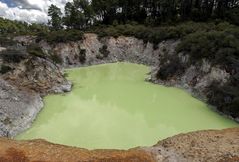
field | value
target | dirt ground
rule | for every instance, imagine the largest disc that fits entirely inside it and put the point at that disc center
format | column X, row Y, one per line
column 210, row 146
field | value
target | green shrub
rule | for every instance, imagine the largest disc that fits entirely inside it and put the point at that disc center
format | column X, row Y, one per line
column 6, row 41
column 225, row 98
column 5, row 69
column 99, row 56
column 82, row 55
column 170, row 69
column 56, row 59
column 104, row 51
column 15, row 28
column 154, row 34
column 220, row 47
column 13, row 55
column 61, row 36
column 232, row 16
column 155, row 46
column 35, row 50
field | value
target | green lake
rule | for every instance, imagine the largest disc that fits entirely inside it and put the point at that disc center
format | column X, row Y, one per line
column 111, row 106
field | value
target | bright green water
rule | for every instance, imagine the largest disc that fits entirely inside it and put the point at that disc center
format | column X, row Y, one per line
column 111, row 106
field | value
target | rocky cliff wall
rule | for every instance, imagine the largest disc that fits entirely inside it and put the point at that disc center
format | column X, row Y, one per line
column 127, row 49
column 18, row 109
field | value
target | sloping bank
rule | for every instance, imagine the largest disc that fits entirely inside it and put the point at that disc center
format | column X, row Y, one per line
column 213, row 146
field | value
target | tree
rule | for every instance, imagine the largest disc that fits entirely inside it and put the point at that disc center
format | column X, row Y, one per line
column 78, row 14
column 71, row 16
column 67, row 19
column 185, row 9
column 85, row 9
column 56, row 17
column 167, row 9
column 106, row 10
column 81, row 14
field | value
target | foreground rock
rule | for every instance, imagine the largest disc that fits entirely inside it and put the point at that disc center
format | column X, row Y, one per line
column 209, row 146
column 18, row 109
column 40, row 150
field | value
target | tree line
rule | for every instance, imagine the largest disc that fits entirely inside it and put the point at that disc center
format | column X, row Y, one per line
column 18, row 27
column 81, row 14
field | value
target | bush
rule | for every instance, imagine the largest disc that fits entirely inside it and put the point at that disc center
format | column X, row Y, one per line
column 220, row 47
column 225, row 98
column 104, row 51
column 232, row 16
column 155, row 46
column 5, row 41
column 99, row 56
column 15, row 28
column 35, row 50
column 56, row 59
column 153, row 34
column 61, row 36
column 5, row 69
column 170, row 69
column 13, row 55
column 82, row 55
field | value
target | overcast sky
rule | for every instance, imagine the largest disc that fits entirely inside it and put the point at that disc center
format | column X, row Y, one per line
column 28, row 10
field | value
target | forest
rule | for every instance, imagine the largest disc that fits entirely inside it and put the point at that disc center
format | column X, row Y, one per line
column 81, row 14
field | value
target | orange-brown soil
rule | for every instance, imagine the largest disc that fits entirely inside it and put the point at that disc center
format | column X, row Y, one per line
column 208, row 146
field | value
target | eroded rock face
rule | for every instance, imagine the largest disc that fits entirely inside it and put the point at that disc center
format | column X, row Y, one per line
column 127, row 49
column 39, row 75
column 25, row 40
column 198, row 146
column 195, row 77
column 21, row 90
column 17, row 109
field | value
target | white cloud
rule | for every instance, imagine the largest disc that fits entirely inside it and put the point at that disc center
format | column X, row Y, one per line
column 30, row 10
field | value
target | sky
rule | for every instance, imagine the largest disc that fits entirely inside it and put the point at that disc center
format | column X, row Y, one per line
column 32, row 11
